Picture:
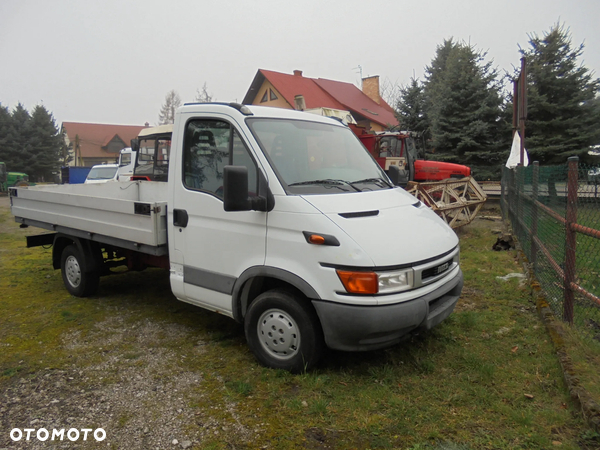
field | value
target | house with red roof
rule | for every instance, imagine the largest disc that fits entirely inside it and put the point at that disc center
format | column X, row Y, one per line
column 95, row 143
column 296, row 91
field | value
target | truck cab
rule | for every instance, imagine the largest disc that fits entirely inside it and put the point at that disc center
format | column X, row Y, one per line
column 279, row 219
column 126, row 163
column 152, row 149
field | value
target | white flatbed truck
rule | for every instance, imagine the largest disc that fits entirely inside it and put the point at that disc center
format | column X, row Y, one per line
column 278, row 219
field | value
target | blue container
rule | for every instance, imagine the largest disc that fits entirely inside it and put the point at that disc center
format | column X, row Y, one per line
column 74, row 175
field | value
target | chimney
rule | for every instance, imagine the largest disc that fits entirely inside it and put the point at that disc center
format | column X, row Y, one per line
column 300, row 103
column 370, row 87
column 297, row 73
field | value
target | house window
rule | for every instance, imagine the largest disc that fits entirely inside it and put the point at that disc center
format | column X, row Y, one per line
column 265, row 97
column 269, row 95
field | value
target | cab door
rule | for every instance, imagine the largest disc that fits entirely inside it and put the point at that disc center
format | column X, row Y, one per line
column 212, row 247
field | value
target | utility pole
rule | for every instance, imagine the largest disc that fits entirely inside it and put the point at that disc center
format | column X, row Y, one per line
column 520, row 106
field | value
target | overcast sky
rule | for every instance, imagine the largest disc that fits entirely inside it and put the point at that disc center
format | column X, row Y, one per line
column 113, row 61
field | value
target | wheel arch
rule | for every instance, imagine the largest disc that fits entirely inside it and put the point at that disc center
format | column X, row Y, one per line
column 256, row 280
column 91, row 251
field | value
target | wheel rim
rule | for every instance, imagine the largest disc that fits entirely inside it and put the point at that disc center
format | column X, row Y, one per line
column 279, row 334
column 73, row 271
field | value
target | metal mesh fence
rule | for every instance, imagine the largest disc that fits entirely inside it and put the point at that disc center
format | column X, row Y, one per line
column 555, row 215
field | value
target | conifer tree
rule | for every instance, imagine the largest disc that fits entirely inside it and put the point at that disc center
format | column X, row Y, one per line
column 563, row 116
column 29, row 143
column 411, row 111
column 463, row 103
column 5, row 124
column 45, row 145
column 16, row 150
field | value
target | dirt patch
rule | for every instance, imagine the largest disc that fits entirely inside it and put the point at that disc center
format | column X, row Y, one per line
column 140, row 398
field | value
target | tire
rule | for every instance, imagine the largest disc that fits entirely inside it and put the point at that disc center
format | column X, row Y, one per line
column 78, row 280
column 283, row 331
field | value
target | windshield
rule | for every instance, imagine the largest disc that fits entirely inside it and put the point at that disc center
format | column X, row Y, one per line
column 102, row 173
column 391, row 146
column 153, row 157
column 125, row 159
column 317, row 158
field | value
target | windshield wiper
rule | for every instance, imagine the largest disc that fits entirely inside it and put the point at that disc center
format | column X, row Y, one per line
column 326, row 182
column 372, row 180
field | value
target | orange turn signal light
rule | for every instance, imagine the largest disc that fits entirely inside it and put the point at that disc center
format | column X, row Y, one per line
column 316, row 239
column 359, row 282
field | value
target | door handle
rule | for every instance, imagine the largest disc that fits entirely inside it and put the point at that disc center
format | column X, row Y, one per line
column 180, row 218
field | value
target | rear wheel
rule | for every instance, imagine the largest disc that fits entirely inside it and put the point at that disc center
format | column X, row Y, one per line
column 283, row 331
column 78, row 279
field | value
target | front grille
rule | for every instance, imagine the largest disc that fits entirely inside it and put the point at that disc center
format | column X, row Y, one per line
column 437, row 270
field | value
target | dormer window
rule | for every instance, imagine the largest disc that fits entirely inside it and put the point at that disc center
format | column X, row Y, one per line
column 268, row 95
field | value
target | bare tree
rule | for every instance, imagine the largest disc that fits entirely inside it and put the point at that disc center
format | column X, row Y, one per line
column 202, row 96
column 390, row 91
column 167, row 111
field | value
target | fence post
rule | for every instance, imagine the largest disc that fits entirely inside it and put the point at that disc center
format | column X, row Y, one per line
column 534, row 214
column 520, row 192
column 511, row 196
column 571, row 238
column 503, row 193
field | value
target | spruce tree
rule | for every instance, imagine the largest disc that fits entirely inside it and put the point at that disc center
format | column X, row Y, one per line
column 45, row 144
column 411, row 111
column 17, row 146
column 562, row 113
column 464, row 105
column 5, row 125
column 29, row 143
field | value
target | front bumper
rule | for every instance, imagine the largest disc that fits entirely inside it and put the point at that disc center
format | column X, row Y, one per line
column 361, row 328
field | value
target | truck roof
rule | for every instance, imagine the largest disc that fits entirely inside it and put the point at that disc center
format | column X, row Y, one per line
column 258, row 111
column 161, row 129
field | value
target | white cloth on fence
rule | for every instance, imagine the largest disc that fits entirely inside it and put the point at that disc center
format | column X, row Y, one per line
column 514, row 158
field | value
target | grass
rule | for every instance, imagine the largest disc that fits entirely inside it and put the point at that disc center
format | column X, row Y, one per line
column 486, row 378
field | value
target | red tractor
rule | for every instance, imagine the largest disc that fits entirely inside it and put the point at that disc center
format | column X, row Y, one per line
column 447, row 188
column 398, row 149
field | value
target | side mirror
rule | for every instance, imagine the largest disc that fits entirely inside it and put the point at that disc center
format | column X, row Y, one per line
column 399, row 177
column 135, row 144
column 235, row 188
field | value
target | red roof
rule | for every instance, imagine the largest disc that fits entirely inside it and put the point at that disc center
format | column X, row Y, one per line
column 94, row 136
column 320, row 92
column 291, row 85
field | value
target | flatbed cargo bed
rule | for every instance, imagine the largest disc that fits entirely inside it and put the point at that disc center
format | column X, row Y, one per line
column 131, row 214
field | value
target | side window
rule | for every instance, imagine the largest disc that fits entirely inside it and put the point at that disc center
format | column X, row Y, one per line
column 209, row 146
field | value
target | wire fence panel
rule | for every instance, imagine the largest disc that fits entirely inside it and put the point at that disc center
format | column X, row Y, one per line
column 555, row 215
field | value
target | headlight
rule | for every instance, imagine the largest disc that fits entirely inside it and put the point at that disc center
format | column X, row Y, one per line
column 376, row 283
column 397, row 281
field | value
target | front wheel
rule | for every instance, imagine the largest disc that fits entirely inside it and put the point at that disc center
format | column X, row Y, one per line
column 283, row 331
column 78, row 280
